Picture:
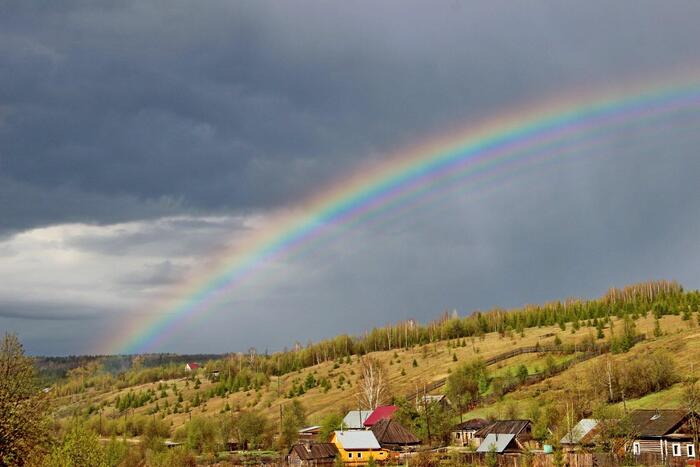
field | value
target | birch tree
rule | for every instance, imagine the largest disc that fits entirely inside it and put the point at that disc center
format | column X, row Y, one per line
column 373, row 387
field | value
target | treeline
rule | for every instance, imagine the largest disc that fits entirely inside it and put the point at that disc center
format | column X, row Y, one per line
column 659, row 297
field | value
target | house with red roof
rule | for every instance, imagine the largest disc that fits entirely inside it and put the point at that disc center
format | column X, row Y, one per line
column 383, row 412
column 192, row 366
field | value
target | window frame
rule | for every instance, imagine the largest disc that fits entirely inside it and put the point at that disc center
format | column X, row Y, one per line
column 690, row 447
column 349, row 455
column 359, row 455
column 673, row 449
column 636, row 448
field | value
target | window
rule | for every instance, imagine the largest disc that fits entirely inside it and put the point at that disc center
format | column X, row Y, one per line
column 676, row 449
column 359, row 455
column 690, row 448
column 349, row 455
column 459, row 435
column 636, row 449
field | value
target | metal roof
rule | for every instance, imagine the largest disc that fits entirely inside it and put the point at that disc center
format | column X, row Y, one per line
column 357, row 440
column 355, row 419
column 495, row 442
column 380, row 413
column 581, row 429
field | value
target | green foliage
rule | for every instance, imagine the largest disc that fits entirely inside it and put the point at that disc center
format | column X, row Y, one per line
column 329, row 424
column 201, row 435
column 79, row 448
column 628, row 338
column 466, row 383
column 415, row 363
column 23, row 408
column 115, row 451
column 293, row 419
column 522, row 373
column 252, row 430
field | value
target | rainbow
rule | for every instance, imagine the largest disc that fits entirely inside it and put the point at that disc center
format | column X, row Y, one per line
column 509, row 141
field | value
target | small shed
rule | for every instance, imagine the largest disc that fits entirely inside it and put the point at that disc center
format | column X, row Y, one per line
column 520, row 429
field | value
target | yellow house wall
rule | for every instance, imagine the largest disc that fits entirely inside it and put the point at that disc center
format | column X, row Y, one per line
column 379, row 454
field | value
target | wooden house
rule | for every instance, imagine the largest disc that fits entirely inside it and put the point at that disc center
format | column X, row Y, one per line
column 463, row 433
column 495, row 433
column 312, row 454
column 667, row 434
column 393, row 436
column 358, row 446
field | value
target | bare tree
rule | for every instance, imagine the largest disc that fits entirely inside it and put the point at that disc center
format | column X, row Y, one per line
column 373, row 387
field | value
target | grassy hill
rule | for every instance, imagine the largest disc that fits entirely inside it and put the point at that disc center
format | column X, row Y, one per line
column 409, row 370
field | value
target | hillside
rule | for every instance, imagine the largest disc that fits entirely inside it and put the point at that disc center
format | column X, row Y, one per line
column 432, row 361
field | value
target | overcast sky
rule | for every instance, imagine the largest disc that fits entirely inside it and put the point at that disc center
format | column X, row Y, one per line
column 138, row 138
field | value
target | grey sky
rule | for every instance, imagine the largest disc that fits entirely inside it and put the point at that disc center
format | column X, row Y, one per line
column 138, row 138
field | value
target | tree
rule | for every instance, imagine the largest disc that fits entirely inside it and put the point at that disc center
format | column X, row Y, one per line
column 329, row 424
column 253, row 429
column 373, row 387
column 464, row 383
column 23, row 407
column 293, row 419
column 201, row 435
column 80, row 447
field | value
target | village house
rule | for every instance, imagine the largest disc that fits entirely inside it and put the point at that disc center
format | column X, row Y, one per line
column 463, row 433
column 506, row 436
column 667, row 434
column 312, row 454
column 380, row 413
column 581, row 436
column 357, row 446
column 393, row 436
column 191, row 366
column 355, row 419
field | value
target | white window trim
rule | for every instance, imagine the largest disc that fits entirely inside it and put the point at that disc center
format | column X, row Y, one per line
column 359, row 455
column 673, row 450
column 690, row 447
column 349, row 455
column 636, row 449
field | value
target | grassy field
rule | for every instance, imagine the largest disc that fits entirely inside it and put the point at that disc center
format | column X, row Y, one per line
column 433, row 361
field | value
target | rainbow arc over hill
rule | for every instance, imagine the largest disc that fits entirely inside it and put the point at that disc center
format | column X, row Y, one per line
column 510, row 139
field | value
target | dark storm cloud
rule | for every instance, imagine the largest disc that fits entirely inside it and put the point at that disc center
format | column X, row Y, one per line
column 179, row 121
column 145, row 108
